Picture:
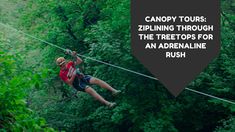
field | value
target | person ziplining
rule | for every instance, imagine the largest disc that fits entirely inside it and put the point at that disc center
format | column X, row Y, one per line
column 77, row 80
column 112, row 65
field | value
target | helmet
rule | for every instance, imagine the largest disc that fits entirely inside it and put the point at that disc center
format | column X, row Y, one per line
column 60, row 61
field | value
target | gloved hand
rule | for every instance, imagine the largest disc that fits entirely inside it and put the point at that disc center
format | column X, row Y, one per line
column 70, row 52
column 74, row 54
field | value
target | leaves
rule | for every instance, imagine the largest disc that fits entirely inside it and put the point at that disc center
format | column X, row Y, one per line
column 101, row 29
column 14, row 87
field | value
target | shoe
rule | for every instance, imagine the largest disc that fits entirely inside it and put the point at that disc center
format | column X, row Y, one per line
column 112, row 104
column 116, row 93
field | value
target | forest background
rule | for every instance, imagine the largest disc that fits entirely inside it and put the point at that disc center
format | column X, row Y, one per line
column 33, row 98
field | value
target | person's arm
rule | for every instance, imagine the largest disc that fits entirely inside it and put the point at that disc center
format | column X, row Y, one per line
column 77, row 60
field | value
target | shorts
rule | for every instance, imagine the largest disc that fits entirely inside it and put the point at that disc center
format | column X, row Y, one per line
column 81, row 84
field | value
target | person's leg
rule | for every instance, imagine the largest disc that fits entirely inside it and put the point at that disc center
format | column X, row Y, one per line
column 93, row 93
column 102, row 84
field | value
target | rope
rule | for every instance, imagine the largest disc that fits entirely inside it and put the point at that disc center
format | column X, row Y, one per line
column 115, row 66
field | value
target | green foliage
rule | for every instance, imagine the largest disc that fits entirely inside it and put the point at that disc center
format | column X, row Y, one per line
column 101, row 29
column 14, row 86
column 228, row 125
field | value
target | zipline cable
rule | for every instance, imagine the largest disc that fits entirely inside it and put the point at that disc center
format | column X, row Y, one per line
column 112, row 65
